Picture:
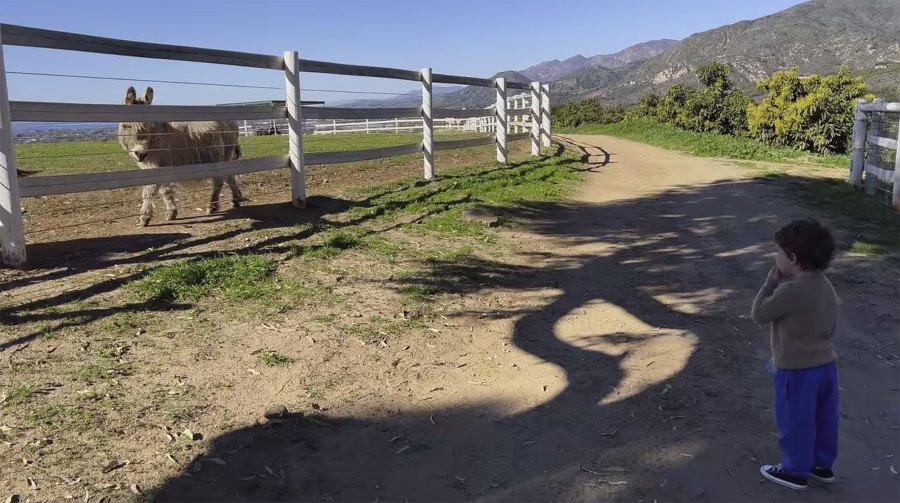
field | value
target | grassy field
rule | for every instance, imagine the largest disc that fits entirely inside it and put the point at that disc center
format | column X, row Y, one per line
column 706, row 144
column 91, row 156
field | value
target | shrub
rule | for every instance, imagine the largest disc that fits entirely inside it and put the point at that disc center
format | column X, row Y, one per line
column 589, row 111
column 812, row 113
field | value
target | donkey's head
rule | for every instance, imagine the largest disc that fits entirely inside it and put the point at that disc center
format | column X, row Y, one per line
column 139, row 138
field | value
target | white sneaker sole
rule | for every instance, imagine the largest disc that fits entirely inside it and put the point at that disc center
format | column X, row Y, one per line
column 785, row 483
column 821, row 479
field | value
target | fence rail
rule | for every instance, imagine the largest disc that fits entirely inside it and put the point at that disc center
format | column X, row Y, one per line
column 531, row 108
column 870, row 158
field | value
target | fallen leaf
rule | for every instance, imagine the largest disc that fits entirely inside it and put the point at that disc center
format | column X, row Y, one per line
column 170, row 458
column 402, row 449
column 217, row 461
column 12, row 499
column 893, row 470
column 528, row 442
column 253, row 371
column 397, row 439
column 31, row 483
column 113, row 465
column 136, row 489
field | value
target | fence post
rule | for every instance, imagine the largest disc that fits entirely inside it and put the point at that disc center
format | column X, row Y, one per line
column 895, row 192
column 500, row 117
column 873, row 155
column 857, row 153
column 12, row 229
column 546, row 130
column 535, row 118
column 295, row 128
column 427, row 123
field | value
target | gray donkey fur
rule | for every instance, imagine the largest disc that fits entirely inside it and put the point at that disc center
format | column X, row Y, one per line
column 159, row 144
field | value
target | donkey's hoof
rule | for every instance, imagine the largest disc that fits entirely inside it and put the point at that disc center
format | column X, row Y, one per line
column 144, row 221
column 235, row 204
column 171, row 214
column 213, row 208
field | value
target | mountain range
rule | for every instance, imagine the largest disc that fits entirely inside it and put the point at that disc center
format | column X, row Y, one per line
column 817, row 36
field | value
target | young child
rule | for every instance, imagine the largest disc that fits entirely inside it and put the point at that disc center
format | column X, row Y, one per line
column 802, row 307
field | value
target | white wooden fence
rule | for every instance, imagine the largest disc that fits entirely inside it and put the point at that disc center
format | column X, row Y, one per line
column 12, row 188
column 520, row 122
column 872, row 123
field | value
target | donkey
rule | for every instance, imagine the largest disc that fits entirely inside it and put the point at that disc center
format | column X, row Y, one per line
column 159, row 144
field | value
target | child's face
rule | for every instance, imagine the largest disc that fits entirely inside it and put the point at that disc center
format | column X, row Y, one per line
column 787, row 265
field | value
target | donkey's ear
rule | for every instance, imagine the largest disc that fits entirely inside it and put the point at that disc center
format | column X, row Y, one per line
column 147, row 98
column 130, row 95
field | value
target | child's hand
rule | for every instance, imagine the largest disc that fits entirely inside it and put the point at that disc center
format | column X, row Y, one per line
column 774, row 274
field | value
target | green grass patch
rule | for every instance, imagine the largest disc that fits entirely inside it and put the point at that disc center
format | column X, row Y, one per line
column 64, row 417
column 103, row 370
column 459, row 255
column 706, row 144
column 19, row 395
column 377, row 328
column 332, row 245
column 233, row 277
column 417, row 291
column 273, row 359
column 877, row 225
column 108, row 155
column 863, row 248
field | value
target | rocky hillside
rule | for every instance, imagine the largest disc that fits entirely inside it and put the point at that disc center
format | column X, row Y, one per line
column 817, row 36
column 638, row 52
column 549, row 71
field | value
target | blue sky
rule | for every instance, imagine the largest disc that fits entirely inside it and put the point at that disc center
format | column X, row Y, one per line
column 451, row 36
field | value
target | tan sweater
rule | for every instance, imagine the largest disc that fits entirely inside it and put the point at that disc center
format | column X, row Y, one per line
column 804, row 317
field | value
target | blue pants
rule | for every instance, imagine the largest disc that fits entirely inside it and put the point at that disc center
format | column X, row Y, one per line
column 806, row 412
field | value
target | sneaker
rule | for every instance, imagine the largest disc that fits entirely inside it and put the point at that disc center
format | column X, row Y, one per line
column 777, row 475
column 823, row 475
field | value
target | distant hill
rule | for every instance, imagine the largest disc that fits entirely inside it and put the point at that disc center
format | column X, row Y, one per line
column 637, row 52
column 817, row 36
column 547, row 71
column 409, row 98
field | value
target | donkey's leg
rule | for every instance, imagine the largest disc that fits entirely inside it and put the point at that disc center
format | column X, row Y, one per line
column 216, row 190
column 168, row 195
column 147, row 205
column 236, row 196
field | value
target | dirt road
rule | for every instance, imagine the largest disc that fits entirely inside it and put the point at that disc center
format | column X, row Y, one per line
column 612, row 358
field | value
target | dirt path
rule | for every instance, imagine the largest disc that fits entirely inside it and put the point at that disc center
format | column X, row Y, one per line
column 611, row 358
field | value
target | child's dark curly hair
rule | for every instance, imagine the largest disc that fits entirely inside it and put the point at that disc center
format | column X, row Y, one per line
column 809, row 241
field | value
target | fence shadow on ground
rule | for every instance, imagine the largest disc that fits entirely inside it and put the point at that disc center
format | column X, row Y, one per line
column 71, row 257
column 680, row 244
